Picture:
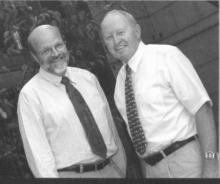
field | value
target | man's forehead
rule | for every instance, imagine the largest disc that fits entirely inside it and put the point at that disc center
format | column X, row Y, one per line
column 42, row 31
column 115, row 20
column 114, row 14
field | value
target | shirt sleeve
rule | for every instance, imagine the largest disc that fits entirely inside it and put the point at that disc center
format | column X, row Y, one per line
column 119, row 158
column 185, row 81
column 36, row 145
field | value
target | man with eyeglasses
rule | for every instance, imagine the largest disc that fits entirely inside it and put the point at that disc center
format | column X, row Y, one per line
column 163, row 103
column 64, row 118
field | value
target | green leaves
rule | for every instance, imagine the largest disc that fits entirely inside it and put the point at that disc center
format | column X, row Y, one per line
column 5, row 69
column 81, row 30
column 6, row 34
column 91, row 34
column 3, row 113
column 56, row 15
column 82, row 15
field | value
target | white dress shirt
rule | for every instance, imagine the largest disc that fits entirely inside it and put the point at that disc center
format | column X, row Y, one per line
column 168, row 93
column 52, row 134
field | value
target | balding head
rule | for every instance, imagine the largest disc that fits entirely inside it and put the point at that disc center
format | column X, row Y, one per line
column 39, row 34
column 127, row 15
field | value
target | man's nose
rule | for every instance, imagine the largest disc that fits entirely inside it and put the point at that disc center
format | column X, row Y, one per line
column 54, row 52
column 116, row 39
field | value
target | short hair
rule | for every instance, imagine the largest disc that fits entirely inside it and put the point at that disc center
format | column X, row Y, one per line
column 129, row 17
column 29, row 44
column 30, row 47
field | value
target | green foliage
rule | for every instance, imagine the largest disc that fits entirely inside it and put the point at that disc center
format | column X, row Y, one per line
column 79, row 30
column 13, row 163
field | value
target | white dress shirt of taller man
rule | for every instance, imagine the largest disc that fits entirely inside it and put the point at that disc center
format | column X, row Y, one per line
column 173, row 107
column 54, row 139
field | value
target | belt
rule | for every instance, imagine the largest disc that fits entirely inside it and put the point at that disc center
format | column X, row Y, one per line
column 86, row 167
column 155, row 158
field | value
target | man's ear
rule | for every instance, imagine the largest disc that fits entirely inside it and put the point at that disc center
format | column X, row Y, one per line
column 34, row 57
column 138, row 30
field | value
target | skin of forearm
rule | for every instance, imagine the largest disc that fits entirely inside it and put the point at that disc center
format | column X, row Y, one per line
column 206, row 128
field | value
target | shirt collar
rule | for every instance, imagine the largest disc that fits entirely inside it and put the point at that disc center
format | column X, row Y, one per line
column 55, row 79
column 135, row 60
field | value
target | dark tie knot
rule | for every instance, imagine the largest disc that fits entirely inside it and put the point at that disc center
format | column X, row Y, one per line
column 65, row 80
column 128, row 69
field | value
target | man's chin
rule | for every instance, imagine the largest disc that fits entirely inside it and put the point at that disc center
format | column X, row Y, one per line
column 60, row 71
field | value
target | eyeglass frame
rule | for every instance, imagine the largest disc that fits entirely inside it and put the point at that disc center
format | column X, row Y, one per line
column 51, row 49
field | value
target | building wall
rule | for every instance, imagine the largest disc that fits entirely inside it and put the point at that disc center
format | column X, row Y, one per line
column 202, row 50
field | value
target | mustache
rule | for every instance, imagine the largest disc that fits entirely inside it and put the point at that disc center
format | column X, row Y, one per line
column 61, row 55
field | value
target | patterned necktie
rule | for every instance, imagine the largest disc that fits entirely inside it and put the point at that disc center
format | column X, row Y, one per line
column 137, row 133
column 86, row 118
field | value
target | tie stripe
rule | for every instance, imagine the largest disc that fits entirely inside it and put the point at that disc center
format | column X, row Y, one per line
column 137, row 133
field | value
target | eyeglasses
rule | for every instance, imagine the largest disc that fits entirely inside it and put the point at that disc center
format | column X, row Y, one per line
column 46, row 53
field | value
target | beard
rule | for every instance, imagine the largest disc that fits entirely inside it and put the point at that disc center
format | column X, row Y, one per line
column 58, row 64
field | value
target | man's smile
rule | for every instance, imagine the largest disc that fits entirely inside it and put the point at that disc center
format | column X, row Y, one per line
column 120, row 47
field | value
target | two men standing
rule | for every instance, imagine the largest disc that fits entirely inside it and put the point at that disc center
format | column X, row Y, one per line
column 158, row 93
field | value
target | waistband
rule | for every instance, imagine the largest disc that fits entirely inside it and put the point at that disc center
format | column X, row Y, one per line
column 86, row 167
column 157, row 157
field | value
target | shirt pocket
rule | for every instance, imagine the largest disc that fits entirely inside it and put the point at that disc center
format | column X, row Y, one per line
column 151, row 102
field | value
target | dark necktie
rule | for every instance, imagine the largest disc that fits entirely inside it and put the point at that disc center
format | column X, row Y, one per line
column 86, row 118
column 137, row 133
